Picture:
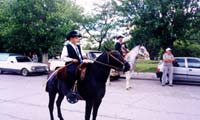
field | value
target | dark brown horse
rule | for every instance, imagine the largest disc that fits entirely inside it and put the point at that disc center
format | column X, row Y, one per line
column 92, row 89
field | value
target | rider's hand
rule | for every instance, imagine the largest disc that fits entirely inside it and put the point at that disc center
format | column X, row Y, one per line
column 85, row 57
column 75, row 61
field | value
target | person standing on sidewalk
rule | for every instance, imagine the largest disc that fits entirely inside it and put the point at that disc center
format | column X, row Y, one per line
column 168, row 59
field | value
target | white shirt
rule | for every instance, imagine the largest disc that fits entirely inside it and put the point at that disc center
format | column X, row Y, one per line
column 64, row 54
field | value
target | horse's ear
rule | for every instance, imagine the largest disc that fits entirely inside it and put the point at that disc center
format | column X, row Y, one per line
column 107, row 49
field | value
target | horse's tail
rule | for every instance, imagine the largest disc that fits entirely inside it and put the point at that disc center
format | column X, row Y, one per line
column 52, row 82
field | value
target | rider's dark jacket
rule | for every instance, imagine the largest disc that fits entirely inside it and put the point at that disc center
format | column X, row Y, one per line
column 72, row 53
column 118, row 47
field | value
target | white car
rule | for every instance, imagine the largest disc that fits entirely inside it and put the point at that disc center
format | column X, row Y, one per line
column 20, row 64
column 186, row 69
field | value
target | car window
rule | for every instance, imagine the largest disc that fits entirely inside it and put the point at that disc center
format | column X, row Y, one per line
column 94, row 55
column 193, row 63
column 23, row 59
column 4, row 56
column 97, row 54
column 179, row 62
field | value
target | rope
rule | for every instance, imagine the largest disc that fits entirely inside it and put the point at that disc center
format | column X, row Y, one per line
column 110, row 66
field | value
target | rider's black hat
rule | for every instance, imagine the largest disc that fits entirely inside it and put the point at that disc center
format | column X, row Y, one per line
column 120, row 36
column 73, row 33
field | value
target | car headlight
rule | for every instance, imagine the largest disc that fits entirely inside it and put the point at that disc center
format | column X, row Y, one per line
column 47, row 68
column 33, row 68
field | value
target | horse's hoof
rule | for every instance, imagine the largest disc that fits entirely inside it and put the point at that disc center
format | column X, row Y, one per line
column 108, row 84
column 128, row 88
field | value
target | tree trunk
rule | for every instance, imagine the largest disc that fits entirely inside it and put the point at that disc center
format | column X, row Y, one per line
column 99, row 45
column 45, row 57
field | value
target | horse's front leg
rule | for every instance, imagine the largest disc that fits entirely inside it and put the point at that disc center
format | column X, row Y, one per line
column 88, row 109
column 95, row 108
column 58, row 103
column 51, row 104
column 108, row 80
column 128, row 77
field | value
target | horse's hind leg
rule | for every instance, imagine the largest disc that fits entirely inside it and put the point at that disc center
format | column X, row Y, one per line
column 51, row 103
column 95, row 108
column 88, row 109
column 58, row 103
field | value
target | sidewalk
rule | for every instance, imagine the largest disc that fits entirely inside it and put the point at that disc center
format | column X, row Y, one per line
column 143, row 76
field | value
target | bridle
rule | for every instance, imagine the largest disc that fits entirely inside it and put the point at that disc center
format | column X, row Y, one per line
column 109, row 55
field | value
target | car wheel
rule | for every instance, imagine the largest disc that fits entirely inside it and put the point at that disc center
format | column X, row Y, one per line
column 24, row 72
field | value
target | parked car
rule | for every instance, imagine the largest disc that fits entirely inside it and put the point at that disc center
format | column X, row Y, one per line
column 57, row 63
column 23, row 65
column 186, row 69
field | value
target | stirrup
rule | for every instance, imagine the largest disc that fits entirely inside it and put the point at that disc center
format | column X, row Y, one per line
column 73, row 96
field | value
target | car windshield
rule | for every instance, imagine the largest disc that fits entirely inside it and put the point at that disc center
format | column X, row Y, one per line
column 23, row 59
column 95, row 54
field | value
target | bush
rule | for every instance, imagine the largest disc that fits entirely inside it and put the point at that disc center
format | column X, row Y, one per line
column 108, row 44
column 186, row 49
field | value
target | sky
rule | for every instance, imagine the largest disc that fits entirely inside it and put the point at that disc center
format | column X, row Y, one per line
column 88, row 5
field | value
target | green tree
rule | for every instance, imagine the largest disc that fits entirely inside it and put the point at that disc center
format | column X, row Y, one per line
column 36, row 25
column 100, row 24
column 159, row 23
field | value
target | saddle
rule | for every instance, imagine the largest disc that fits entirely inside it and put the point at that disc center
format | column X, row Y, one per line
column 79, row 73
column 73, row 96
column 62, row 73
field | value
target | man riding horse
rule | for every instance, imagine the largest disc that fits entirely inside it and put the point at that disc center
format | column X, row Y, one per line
column 72, row 54
column 121, row 46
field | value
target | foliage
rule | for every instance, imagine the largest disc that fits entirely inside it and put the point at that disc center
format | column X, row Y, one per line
column 109, row 44
column 187, row 49
column 99, row 26
column 36, row 25
column 159, row 23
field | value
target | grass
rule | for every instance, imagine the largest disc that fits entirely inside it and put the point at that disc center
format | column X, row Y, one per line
column 146, row 65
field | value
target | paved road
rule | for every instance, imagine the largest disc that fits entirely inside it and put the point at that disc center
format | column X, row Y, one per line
column 23, row 98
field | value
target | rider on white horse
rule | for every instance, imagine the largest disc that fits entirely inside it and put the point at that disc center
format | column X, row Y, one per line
column 131, row 57
column 121, row 46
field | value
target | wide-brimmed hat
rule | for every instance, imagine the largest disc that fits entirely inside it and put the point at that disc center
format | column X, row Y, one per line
column 168, row 49
column 73, row 33
column 120, row 36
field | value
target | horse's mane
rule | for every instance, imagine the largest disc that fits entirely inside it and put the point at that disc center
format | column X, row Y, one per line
column 132, row 52
column 100, row 56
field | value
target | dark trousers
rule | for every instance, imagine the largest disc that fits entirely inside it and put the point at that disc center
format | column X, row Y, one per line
column 66, row 85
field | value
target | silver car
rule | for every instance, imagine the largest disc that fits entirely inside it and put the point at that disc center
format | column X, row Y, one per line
column 186, row 69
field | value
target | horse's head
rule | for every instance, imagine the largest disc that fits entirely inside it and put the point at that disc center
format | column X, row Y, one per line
column 142, row 51
column 116, row 61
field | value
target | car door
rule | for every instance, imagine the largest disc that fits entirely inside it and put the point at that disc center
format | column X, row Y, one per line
column 193, row 69
column 180, row 70
column 11, row 64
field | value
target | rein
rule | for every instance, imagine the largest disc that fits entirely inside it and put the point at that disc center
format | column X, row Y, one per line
column 108, row 65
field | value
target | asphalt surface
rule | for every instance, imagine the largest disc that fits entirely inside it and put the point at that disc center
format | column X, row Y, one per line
column 24, row 98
